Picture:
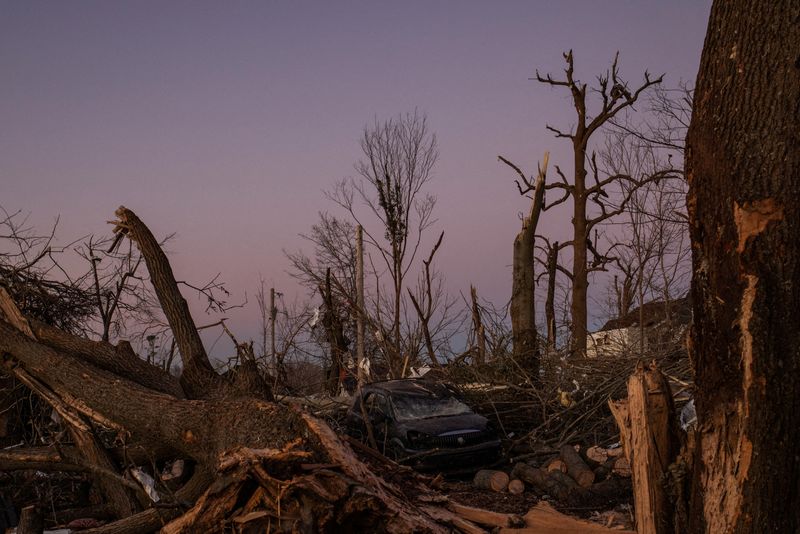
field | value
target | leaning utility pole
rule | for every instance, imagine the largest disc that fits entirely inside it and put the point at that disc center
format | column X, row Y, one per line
column 272, row 314
column 360, row 304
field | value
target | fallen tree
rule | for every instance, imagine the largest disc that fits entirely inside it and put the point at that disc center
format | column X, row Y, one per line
column 99, row 389
column 250, row 463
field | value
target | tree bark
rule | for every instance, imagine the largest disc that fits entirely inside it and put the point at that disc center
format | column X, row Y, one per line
column 743, row 167
column 576, row 467
column 523, row 309
column 198, row 377
column 265, row 442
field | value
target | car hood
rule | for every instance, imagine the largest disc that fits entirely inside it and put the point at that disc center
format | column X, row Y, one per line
column 436, row 426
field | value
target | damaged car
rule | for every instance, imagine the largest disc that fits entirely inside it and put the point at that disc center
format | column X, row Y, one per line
column 423, row 424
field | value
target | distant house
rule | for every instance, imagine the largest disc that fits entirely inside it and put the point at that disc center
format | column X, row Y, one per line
column 665, row 325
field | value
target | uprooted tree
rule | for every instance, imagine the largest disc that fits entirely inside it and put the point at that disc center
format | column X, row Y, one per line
column 224, row 427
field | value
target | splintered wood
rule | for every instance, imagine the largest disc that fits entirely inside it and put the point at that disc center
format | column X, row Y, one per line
column 645, row 422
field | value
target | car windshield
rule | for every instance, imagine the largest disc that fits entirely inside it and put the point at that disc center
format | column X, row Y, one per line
column 412, row 407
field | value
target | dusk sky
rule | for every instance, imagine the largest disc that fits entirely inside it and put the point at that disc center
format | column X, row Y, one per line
column 224, row 122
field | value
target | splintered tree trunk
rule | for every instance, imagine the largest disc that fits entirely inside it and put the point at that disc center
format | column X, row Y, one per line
column 247, row 456
column 645, row 421
column 743, row 166
column 523, row 310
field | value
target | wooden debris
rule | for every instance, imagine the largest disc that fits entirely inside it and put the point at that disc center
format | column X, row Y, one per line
column 541, row 480
column 604, row 470
column 544, row 518
column 444, row 515
column 30, row 521
column 622, row 467
column 516, row 487
column 485, row 517
column 645, row 421
column 597, row 454
column 491, row 480
column 576, row 467
column 556, row 464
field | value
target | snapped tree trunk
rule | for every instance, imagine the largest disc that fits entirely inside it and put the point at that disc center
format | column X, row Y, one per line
column 257, row 453
column 523, row 310
column 743, row 167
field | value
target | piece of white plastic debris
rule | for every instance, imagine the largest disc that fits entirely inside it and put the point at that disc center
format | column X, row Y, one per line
column 147, row 483
column 688, row 415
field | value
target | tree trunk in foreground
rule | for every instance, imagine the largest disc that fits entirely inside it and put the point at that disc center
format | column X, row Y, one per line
column 743, row 167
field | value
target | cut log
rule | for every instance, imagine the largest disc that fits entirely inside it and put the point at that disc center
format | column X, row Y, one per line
column 556, row 464
column 622, row 467
column 604, row 470
column 38, row 458
column 565, row 480
column 608, row 493
column 576, row 467
column 491, row 480
column 516, row 487
column 596, row 454
column 541, row 480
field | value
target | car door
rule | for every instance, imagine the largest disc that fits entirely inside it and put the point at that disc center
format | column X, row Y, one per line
column 379, row 415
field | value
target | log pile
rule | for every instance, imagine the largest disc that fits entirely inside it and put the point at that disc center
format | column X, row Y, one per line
column 570, row 479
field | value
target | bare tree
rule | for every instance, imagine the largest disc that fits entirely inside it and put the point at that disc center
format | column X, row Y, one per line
column 591, row 202
column 425, row 311
column 551, row 269
column 653, row 255
column 399, row 156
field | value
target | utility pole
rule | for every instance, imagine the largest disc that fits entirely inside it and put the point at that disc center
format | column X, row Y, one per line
column 272, row 314
column 360, row 304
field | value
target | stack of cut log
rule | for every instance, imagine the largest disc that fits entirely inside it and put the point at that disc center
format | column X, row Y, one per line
column 580, row 480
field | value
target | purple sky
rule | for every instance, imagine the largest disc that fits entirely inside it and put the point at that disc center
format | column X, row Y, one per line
column 224, row 121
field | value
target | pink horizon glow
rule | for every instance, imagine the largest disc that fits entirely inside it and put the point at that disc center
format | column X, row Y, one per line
column 223, row 123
